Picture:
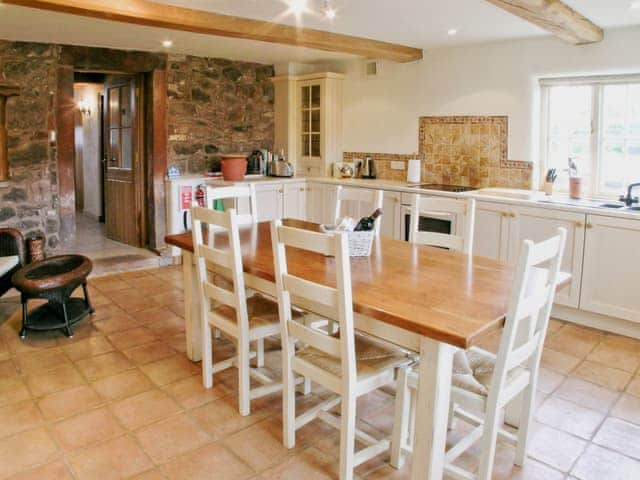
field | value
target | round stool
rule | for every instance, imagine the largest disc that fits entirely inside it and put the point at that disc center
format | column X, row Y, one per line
column 54, row 279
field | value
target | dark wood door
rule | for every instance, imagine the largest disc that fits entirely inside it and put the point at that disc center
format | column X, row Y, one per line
column 124, row 175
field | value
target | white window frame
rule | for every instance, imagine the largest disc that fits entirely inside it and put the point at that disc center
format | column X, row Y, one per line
column 596, row 82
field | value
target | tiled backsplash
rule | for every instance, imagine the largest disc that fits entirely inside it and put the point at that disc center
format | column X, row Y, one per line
column 469, row 151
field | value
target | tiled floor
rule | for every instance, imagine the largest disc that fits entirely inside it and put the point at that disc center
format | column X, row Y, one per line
column 120, row 400
column 108, row 256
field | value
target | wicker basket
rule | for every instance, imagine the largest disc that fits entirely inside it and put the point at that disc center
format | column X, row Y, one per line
column 360, row 243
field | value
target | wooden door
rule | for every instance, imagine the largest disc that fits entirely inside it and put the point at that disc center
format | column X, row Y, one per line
column 124, row 178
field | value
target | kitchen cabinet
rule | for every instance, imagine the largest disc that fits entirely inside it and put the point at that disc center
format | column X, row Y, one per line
column 391, row 216
column 294, row 200
column 492, row 228
column 269, row 200
column 500, row 230
column 537, row 224
column 610, row 270
column 315, row 203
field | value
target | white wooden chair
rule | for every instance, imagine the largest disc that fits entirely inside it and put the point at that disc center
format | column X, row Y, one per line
column 487, row 383
column 349, row 365
column 236, row 193
column 228, row 310
column 374, row 198
column 457, row 209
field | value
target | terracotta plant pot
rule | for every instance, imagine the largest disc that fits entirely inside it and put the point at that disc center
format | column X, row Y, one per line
column 234, row 167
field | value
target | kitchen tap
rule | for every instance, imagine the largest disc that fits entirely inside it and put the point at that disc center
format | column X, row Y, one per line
column 629, row 200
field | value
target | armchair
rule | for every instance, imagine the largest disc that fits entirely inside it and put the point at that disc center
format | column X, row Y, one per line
column 11, row 245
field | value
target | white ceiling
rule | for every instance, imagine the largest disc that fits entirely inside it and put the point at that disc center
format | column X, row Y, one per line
column 419, row 23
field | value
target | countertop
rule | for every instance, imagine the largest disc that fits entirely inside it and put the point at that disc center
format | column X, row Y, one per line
column 504, row 196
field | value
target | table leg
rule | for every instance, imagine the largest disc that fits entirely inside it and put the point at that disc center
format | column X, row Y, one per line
column 432, row 409
column 192, row 320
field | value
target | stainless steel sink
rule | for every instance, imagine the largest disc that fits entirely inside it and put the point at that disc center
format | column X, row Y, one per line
column 611, row 205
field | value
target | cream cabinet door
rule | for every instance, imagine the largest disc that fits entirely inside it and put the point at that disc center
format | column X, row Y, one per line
column 269, row 200
column 315, row 202
column 611, row 267
column 538, row 224
column 391, row 227
column 295, row 200
column 492, row 229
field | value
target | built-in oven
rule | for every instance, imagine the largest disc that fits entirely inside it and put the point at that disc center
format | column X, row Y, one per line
column 431, row 222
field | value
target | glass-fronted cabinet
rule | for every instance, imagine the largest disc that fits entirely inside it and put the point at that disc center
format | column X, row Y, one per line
column 319, row 110
column 310, row 114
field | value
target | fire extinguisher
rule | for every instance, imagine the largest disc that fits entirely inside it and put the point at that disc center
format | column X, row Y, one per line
column 201, row 200
column 201, row 196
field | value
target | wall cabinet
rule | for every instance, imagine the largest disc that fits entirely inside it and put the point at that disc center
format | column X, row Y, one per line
column 610, row 271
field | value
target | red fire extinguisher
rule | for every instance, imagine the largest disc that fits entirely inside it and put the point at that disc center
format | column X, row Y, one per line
column 201, row 194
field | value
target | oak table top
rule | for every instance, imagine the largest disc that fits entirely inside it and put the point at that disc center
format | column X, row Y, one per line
column 447, row 296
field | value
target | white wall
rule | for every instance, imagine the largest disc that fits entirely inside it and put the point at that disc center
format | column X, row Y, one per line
column 381, row 115
column 91, row 154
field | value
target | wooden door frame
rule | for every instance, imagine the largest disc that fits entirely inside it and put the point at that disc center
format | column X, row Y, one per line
column 153, row 68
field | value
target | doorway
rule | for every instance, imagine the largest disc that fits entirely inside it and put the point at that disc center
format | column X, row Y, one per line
column 109, row 172
column 123, row 160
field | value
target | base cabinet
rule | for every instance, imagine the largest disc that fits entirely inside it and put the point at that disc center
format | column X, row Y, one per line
column 611, row 267
column 492, row 228
column 269, row 200
column 538, row 224
column 294, row 200
column 501, row 229
column 315, row 203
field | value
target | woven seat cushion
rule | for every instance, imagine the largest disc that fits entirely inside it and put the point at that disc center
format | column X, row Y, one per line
column 473, row 371
column 261, row 310
column 371, row 357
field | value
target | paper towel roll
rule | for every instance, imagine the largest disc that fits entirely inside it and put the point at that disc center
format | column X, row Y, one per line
column 413, row 171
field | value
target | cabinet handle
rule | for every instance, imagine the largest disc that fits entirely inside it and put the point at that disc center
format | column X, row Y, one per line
column 512, row 215
column 302, row 189
column 589, row 225
column 280, row 190
column 579, row 224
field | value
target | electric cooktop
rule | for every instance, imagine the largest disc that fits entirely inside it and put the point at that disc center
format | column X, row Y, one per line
column 443, row 188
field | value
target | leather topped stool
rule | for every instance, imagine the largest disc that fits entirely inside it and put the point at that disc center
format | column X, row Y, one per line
column 54, row 279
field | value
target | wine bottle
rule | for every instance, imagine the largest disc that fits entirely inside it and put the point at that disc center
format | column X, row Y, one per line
column 366, row 224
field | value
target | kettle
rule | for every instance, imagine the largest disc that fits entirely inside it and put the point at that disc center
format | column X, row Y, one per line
column 369, row 168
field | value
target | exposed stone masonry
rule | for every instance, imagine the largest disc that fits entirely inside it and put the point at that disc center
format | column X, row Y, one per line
column 214, row 106
column 30, row 201
column 217, row 106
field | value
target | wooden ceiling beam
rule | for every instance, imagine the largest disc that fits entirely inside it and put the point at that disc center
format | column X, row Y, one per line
column 143, row 12
column 556, row 17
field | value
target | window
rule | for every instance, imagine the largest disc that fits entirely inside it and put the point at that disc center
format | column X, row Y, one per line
column 595, row 121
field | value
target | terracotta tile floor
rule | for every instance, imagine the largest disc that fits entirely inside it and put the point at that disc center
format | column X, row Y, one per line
column 120, row 400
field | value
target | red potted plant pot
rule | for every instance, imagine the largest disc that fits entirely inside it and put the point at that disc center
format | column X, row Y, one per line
column 234, row 166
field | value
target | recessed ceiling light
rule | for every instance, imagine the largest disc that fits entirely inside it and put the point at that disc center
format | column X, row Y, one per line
column 297, row 7
column 329, row 11
column 452, row 31
column 167, row 43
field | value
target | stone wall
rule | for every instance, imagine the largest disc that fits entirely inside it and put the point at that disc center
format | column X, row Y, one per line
column 214, row 106
column 30, row 202
column 217, row 106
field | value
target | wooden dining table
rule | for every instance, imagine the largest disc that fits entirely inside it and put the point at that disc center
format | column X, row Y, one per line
column 429, row 300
